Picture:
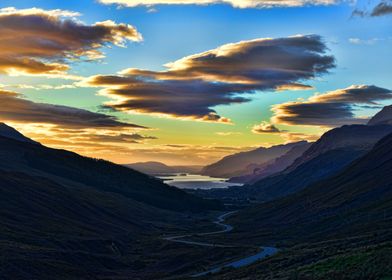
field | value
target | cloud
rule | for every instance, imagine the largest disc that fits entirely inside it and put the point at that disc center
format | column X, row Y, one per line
column 229, row 133
column 290, row 137
column 16, row 109
column 114, row 138
column 358, row 41
column 330, row 109
column 383, row 8
column 265, row 127
column 44, row 42
column 234, row 3
column 38, row 86
column 191, row 87
column 88, row 133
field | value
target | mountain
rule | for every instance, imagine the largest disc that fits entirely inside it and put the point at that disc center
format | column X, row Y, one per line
column 382, row 117
column 330, row 154
column 357, row 201
column 10, row 132
column 333, row 151
column 274, row 166
column 72, row 169
column 151, row 167
column 156, row 168
column 338, row 228
column 360, row 137
column 191, row 169
column 237, row 164
column 75, row 217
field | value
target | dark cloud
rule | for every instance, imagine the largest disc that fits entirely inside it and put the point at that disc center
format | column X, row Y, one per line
column 330, row 109
column 181, row 99
column 192, row 86
column 120, row 138
column 15, row 109
column 383, row 8
column 35, row 41
column 114, row 138
column 290, row 137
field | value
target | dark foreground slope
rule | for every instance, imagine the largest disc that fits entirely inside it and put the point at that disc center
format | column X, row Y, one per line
column 356, row 201
column 48, row 228
column 340, row 228
column 64, row 216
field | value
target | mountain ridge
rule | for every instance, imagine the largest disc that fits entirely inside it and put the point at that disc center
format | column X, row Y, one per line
column 9, row 132
column 382, row 117
column 236, row 164
column 274, row 166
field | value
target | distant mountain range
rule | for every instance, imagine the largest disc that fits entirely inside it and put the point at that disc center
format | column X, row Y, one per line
column 74, row 216
column 335, row 150
column 157, row 168
column 257, row 172
column 244, row 163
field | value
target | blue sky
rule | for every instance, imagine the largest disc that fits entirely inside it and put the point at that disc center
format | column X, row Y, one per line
column 361, row 46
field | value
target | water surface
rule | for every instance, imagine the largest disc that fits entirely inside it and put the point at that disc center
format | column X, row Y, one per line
column 194, row 181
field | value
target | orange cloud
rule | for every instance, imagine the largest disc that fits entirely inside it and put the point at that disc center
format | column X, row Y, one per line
column 43, row 42
column 265, row 128
column 16, row 109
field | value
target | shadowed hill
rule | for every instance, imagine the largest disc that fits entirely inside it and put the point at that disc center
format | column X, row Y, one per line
column 72, row 169
column 357, row 201
column 151, row 167
column 50, row 229
column 158, row 168
column 76, row 217
column 359, row 137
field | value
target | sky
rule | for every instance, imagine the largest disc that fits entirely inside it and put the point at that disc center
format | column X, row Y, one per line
column 186, row 83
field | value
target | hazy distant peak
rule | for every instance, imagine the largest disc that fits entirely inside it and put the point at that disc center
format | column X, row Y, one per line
column 237, row 164
column 12, row 133
column 382, row 117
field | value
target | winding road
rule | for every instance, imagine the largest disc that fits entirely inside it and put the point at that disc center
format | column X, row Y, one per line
column 262, row 254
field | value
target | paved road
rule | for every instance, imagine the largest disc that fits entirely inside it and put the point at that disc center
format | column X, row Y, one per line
column 262, row 254
column 219, row 221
